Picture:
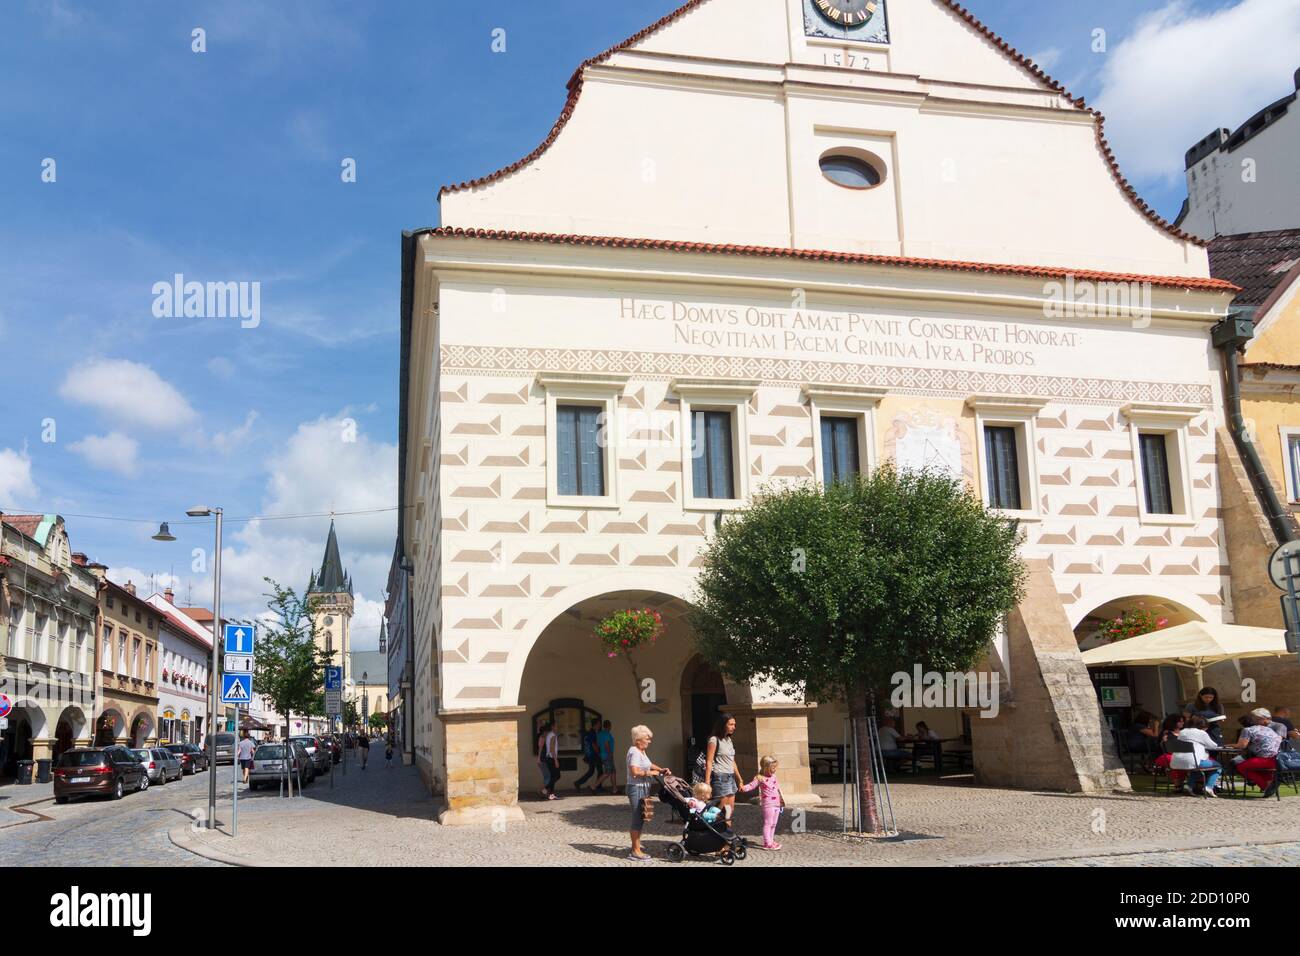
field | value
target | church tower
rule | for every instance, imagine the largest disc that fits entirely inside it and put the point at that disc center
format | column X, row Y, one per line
column 330, row 590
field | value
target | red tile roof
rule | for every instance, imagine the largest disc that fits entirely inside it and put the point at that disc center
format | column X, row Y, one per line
column 576, row 80
column 825, row 255
column 1262, row 263
column 27, row 524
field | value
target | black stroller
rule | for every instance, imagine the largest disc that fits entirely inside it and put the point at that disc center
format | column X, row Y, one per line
column 699, row 838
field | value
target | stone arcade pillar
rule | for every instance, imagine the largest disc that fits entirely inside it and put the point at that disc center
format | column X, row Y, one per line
column 1049, row 733
column 780, row 730
column 481, row 751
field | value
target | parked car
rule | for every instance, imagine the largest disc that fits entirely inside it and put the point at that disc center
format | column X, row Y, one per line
column 160, row 764
column 98, row 771
column 192, row 758
column 332, row 744
column 269, row 764
column 225, row 747
column 316, row 750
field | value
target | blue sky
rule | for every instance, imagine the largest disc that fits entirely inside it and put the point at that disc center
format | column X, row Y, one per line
column 225, row 166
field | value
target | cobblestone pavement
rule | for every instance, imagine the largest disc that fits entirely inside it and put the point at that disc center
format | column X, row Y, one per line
column 382, row 817
column 96, row 832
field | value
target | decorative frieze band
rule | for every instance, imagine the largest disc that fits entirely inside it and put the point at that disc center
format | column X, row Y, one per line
column 479, row 359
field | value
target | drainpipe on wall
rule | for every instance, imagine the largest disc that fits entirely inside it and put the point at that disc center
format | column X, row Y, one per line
column 1230, row 337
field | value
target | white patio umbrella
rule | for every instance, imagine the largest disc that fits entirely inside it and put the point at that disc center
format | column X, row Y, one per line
column 1196, row 644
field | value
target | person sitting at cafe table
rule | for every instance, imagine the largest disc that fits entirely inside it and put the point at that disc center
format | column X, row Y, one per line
column 923, row 732
column 1173, row 724
column 1282, row 715
column 1208, row 706
column 891, row 741
column 1261, row 745
column 1202, row 744
column 1143, row 735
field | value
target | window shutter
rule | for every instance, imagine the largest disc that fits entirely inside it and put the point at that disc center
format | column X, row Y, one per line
column 566, row 450
column 699, row 458
column 591, row 464
column 720, row 472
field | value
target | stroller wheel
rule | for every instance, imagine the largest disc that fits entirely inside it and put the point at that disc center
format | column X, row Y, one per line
column 740, row 850
column 727, row 858
column 676, row 853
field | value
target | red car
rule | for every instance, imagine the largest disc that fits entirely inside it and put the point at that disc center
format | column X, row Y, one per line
column 97, row 771
column 191, row 756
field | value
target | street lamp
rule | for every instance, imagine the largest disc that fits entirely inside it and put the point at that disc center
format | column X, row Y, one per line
column 164, row 533
column 365, row 701
column 213, row 682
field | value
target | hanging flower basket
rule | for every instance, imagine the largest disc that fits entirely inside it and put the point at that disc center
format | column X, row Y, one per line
column 624, row 633
column 1132, row 623
column 164, row 673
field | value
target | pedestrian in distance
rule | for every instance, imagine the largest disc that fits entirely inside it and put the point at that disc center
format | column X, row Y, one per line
column 605, row 749
column 590, row 754
column 364, row 744
column 388, row 753
column 245, row 753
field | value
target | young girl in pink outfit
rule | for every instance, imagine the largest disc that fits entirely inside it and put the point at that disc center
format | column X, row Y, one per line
column 769, row 798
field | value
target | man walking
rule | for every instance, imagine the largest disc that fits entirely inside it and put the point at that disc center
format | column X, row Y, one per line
column 364, row 743
column 245, row 753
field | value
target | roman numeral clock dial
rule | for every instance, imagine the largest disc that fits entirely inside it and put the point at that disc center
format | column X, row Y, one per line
column 861, row 20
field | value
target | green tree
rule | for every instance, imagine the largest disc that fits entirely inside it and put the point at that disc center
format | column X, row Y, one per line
column 378, row 721
column 351, row 717
column 288, row 667
column 828, row 592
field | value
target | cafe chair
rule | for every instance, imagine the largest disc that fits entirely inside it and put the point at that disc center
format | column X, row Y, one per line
column 1195, row 778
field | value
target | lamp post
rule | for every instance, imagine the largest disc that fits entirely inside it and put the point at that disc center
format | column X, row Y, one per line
column 365, row 701
column 213, row 682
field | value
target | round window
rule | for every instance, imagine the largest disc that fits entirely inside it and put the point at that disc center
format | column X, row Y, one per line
column 852, row 172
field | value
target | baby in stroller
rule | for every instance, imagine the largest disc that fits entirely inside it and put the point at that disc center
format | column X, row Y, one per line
column 705, row 831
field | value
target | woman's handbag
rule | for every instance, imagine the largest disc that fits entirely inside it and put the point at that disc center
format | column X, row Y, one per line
column 701, row 761
column 647, row 809
column 1288, row 760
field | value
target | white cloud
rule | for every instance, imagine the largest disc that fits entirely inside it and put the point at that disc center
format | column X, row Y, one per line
column 112, row 452
column 127, row 392
column 146, row 583
column 1046, row 59
column 16, row 477
column 319, row 469
column 1182, row 74
column 229, row 440
column 221, row 367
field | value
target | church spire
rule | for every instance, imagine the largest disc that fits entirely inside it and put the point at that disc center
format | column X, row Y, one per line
column 331, row 579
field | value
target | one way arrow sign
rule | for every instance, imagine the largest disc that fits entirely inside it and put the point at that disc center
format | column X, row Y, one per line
column 239, row 638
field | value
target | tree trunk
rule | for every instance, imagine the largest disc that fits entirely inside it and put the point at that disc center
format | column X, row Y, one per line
column 868, row 820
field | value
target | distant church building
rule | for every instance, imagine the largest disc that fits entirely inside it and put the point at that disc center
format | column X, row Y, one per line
column 330, row 589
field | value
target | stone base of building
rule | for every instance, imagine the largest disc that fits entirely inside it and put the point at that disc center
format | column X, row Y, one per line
column 1049, row 733
column 777, row 730
column 481, row 765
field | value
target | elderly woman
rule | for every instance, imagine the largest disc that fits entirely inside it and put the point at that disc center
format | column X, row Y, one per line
column 641, row 773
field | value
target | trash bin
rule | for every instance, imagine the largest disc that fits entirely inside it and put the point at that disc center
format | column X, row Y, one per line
column 43, row 770
column 24, row 771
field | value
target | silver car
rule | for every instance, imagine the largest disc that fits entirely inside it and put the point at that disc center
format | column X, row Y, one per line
column 158, row 764
column 270, row 764
column 320, row 756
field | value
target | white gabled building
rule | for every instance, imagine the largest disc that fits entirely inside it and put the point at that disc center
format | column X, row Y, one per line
column 758, row 246
column 185, row 674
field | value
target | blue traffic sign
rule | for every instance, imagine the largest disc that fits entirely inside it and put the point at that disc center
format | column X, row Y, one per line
column 239, row 638
column 333, row 678
column 236, row 688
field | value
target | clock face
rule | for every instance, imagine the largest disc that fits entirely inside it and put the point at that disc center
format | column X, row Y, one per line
column 847, row 13
column 862, row 20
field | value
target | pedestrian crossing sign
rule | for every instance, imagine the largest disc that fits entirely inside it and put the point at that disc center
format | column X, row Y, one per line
column 236, row 688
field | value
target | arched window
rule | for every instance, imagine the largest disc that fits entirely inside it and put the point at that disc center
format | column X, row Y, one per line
column 850, row 171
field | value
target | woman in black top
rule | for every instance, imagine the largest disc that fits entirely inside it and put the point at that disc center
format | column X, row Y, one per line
column 1207, row 706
